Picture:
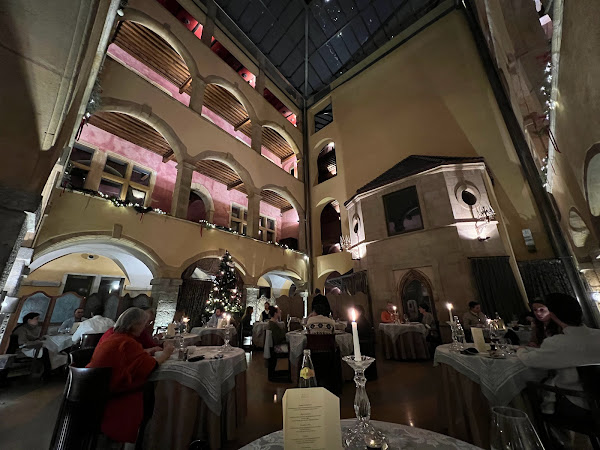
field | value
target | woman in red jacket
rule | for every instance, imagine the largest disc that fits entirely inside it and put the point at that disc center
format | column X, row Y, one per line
column 131, row 367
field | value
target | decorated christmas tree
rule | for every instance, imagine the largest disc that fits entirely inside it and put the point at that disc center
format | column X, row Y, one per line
column 225, row 291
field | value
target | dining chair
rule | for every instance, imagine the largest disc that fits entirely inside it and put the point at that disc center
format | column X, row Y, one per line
column 274, row 352
column 80, row 415
column 81, row 357
column 326, row 360
column 90, row 340
column 587, row 423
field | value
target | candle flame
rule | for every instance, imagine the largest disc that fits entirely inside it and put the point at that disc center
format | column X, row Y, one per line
column 353, row 312
column 449, row 305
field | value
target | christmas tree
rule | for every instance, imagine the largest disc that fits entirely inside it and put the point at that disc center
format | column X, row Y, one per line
column 225, row 292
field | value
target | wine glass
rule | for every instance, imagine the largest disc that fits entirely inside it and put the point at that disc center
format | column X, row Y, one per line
column 512, row 430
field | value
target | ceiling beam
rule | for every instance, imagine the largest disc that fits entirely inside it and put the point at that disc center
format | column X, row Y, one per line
column 234, row 185
column 168, row 156
column 287, row 157
column 184, row 86
column 240, row 124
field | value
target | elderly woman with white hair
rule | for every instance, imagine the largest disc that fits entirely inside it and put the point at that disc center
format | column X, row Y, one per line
column 131, row 367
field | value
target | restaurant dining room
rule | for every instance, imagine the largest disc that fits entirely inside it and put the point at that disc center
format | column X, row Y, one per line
column 300, row 225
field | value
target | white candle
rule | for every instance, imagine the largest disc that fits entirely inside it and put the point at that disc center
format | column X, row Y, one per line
column 357, row 356
column 449, row 306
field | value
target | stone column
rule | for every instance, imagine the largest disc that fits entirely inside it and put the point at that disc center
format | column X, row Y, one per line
column 254, row 199
column 256, row 137
column 197, row 97
column 301, row 234
column 260, row 82
column 181, row 193
column 165, row 292
column 209, row 25
column 300, row 167
column 251, row 294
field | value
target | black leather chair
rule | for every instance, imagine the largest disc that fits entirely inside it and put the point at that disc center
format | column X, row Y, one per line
column 587, row 423
column 90, row 340
column 81, row 357
column 327, row 361
column 78, row 422
column 278, row 352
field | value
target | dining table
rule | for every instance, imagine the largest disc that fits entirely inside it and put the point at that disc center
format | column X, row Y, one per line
column 198, row 400
column 472, row 384
column 259, row 330
column 297, row 341
column 214, row 335
column 404, row 341
column 55, row 345
column 399, row 437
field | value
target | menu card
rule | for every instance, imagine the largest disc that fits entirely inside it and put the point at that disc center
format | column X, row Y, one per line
column 478, row 339
column 311, row 420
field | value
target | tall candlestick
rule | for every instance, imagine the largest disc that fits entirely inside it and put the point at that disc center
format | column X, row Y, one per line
column 449, row 306
column 357, row 355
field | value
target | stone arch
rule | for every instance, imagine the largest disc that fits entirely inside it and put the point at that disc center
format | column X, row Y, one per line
column 145, row 114
column 292, row 272
column 202, row 192
column 285, row 193
column 234, row 90
column 322, row 143
column 229, row 160
column 215, row 253
column 591, row 179
column 284, row 134
column 407, row 279
column 164, row 31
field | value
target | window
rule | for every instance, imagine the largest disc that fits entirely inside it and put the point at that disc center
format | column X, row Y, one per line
column 402, row 211
column 239, row 219
column 266, row 229
column 323, row 118
column 80, row 284
column 116, row 167
column 140, row 176
column 78, row 167
column 326, row 163
column 110, row 188
column 135, row 196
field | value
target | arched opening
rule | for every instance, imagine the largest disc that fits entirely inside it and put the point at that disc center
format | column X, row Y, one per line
column 329, row 288
column 161, row 60
column 279, row 286
column 279, row 219
column 415, row 290
column 331, row 228
column 592, row 179
column 326, row 163
column 196, row 208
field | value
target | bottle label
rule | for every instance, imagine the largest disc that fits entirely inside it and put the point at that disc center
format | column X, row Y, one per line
column 307, row 373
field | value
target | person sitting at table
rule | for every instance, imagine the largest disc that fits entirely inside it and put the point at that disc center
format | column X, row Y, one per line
column 542, row 326
column 97, row 324
column 68, row 324
column 474, row 317
column 27, row 333
column 320, row 323
column 427, row 318
column 264, row 316
column 247, row 320
column 214, row 319
column 388, row 315
column 320, row 300
column 277, row 332
column 131, row 366
column 145, row 338
column 576, row 346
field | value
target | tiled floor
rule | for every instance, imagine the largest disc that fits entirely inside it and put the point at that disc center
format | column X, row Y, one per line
column 405, row 392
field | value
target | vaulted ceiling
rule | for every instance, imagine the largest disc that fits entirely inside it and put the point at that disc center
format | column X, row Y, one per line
column 341, row 33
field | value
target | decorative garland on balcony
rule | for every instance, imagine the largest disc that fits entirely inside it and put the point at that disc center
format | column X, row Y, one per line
column 208, row 225
column 118, row 202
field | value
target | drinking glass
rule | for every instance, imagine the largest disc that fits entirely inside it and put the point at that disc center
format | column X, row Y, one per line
column 512, row 430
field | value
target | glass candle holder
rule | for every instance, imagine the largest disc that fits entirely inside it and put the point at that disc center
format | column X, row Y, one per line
column 226, row 347
column 362, row 434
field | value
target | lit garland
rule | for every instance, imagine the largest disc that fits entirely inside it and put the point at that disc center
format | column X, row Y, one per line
column 118, row 202
column 550, row 105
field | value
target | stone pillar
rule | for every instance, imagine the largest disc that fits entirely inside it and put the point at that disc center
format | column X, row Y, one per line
column 19, row 269
column 300, row 167
column 304, row 295
column 165, row 292
column 261, row 78
column 253, row 213
column 301, row 234
column 181, row 193
column 251, row 294
column 197, row 97
column 256, row 137
column 209, row 26
column 14, row 205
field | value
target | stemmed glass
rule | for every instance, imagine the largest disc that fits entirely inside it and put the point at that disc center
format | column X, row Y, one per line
column 226, row 347
column 512, row 430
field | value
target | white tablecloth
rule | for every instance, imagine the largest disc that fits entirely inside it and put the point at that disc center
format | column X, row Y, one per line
column 297, row 342
column 399, row 436
column 188, row 338
column 258, row 333
column 210, row 378
column 501, row 380
column 206, row 331
column 58, row 342
column 393, row 330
